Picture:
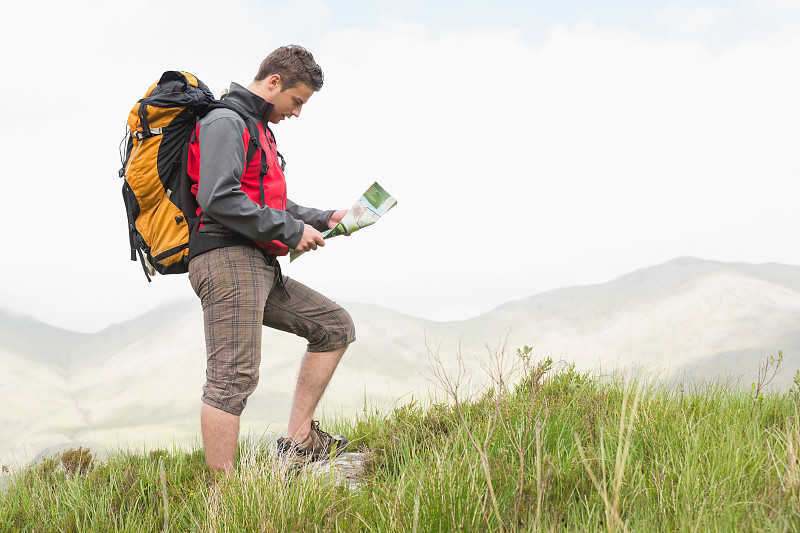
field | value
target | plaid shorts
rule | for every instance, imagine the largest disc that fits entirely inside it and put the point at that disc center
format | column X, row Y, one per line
column 240, row 292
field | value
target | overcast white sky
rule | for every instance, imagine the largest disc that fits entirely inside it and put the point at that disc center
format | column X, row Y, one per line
column 530, row 147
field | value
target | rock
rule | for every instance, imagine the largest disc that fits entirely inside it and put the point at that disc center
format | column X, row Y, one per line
column 345, row 470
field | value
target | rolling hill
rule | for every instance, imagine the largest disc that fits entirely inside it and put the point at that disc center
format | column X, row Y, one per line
column 138, row 383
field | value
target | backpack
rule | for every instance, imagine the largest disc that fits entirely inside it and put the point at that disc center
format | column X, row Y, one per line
column 161, row 208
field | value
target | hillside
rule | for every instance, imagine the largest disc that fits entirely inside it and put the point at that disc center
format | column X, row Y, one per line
column 688, row 317
column 139, row 382
column 559, row 450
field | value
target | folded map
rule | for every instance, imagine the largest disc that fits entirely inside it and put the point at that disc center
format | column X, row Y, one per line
column 372, row 205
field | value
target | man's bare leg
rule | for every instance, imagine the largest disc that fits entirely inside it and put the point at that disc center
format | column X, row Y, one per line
column 220, row 438
column 316, row 371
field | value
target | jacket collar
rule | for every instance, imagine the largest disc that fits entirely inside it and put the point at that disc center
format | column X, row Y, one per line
column 252, row 104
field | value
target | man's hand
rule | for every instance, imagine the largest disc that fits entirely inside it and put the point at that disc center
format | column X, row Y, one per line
column 310, row 240
column 336, row 217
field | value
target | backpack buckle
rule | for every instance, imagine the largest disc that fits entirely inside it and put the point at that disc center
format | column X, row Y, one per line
column 140, row 135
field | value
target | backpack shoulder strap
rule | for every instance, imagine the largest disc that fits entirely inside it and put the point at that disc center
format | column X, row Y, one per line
column 249, row 123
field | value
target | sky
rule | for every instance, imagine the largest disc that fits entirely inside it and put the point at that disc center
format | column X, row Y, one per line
column 530, row 145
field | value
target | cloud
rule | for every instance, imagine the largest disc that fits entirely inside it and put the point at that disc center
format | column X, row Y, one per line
column 693, row 19
column 523, row 161
column 781, row 4
column 518, row 166
column 721, row 27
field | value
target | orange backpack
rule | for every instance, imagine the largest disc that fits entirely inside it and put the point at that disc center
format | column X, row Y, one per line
column 160, row 205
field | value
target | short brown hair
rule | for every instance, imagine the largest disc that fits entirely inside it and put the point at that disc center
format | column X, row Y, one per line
column 295, row 65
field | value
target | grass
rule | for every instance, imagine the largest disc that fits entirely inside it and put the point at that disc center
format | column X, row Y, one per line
column 543, row 447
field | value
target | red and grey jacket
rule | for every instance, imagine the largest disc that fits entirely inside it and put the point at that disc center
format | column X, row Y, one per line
column 239, row 201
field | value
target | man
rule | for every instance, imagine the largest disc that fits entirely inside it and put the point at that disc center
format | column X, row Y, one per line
column 246, row 221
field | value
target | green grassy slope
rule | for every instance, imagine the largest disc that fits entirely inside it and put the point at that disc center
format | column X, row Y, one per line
column 543, row 448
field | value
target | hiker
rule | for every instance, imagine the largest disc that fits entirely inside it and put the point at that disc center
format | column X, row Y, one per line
column 246, row 221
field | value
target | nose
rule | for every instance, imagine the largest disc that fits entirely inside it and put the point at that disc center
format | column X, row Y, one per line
column 296, row 111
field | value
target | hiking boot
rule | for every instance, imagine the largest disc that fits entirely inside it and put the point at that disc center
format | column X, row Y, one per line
column 317, row 446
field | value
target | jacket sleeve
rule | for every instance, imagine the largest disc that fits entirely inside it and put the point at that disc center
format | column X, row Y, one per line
column 315, row 218
column 219, row 194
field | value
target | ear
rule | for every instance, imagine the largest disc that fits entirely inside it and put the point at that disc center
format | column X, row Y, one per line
column 274, row 82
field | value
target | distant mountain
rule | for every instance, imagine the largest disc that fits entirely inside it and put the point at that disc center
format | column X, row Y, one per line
column 138, row 383
column 687, row 316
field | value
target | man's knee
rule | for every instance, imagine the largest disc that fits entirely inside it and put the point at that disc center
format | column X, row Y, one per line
column 337, row 331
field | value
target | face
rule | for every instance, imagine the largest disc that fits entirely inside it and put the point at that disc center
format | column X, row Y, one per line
column 289, row 102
